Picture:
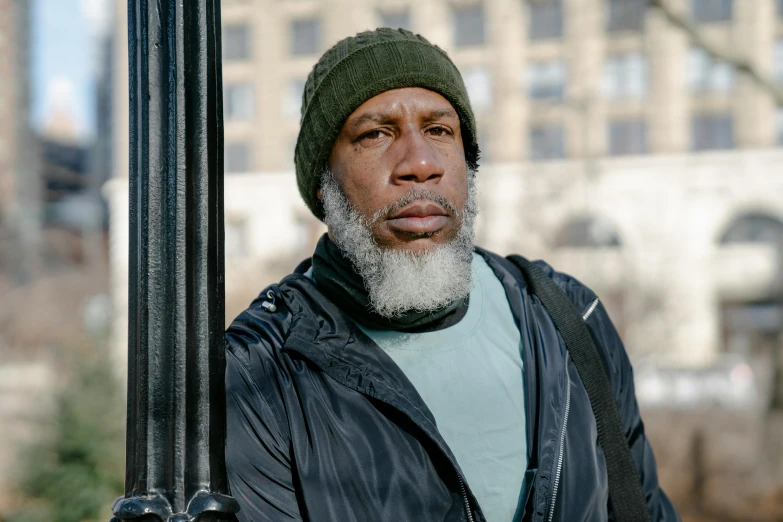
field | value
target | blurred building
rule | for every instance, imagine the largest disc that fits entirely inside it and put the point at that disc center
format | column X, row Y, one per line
column 20, row 227
column 73, row 170
column 19, row 187
column 549, row 79
column 65, row 179
column 612, row 147
column 14, row 48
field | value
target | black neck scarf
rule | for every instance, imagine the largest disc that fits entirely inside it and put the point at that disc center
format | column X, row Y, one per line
column 336, row 278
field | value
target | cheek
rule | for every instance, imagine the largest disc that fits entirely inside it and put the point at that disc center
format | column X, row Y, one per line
column 363, row 186
column 459, row 189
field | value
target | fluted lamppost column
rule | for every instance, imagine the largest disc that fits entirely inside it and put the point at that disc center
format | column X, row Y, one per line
column 175, row 467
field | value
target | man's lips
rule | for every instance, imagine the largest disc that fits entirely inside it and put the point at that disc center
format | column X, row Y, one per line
column 419, row 208
column 419, row 217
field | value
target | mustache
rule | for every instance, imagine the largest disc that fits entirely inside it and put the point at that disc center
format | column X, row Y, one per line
column 414, row 194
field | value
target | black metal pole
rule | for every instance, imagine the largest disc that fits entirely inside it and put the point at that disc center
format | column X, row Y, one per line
column 175, row 468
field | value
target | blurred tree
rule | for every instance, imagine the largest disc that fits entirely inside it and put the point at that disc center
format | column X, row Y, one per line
column 726, row 54
column 71, row 474
column 628, row 16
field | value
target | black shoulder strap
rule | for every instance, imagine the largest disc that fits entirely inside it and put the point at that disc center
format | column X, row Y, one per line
column 625, row 488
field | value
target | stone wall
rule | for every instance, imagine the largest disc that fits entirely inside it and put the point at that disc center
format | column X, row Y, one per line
column 720, row 466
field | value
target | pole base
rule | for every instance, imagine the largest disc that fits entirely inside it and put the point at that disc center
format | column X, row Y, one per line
column 202, row 507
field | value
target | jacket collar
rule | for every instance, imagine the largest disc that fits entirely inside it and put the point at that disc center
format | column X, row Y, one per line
column 326, row 336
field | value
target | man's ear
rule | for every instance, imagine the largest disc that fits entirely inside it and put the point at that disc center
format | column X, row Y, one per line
column 318, row 194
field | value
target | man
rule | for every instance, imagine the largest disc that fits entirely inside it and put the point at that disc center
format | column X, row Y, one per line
column 403, row 374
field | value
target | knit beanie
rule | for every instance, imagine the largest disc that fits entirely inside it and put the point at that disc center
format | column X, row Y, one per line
column 353, row 71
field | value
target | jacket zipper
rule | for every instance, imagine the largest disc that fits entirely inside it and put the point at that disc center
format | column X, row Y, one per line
column 465, row 499
column 562, row 442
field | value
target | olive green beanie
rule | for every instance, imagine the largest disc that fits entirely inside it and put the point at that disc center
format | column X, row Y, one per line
column 353, row 71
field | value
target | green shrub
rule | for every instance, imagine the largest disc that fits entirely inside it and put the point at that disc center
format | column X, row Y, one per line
column 76, row 470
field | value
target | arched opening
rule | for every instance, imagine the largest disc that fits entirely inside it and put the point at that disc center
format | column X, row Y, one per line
column 753, row 227
column 753, row 328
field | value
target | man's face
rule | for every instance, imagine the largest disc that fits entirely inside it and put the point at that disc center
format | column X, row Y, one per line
column 400, row 142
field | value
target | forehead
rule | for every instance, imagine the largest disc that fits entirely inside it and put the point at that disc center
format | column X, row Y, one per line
column 410, row 101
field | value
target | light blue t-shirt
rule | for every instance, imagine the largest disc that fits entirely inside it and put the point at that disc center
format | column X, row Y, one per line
column 470, row 377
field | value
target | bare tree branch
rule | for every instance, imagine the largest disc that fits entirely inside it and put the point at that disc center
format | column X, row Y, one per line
column 740, row 63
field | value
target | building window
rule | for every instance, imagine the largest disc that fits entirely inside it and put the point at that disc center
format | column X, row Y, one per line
column 469, row 25
column 239, row 102
column 547, row 142
column 587, row 232
column 706, row 74
column 712, row 131
column 546, row 19
column 237, row 157
column 625, row 76
column 236, row 42
column 478, row 82
column 627, row 137
column 292, row 105
column 305, row 36
column 706, row 11
column 395, row 19
column 546, row 80
column 779, row 60
column 625, row 15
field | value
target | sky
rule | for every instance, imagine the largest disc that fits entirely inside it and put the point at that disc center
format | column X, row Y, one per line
column 64, row 35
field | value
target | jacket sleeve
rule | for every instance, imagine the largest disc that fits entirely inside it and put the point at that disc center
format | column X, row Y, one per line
column 257, row 453
column 621, row 375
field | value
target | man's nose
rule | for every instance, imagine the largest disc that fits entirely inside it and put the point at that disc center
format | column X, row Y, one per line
column 419, row 160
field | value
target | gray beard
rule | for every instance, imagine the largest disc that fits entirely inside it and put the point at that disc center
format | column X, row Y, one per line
column 400, row 281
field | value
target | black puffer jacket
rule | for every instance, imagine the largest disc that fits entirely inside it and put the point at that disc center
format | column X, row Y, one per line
column 323, row 426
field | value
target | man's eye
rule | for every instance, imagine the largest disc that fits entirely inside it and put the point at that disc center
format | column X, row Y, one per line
column 438, row 131
column 371, row 135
